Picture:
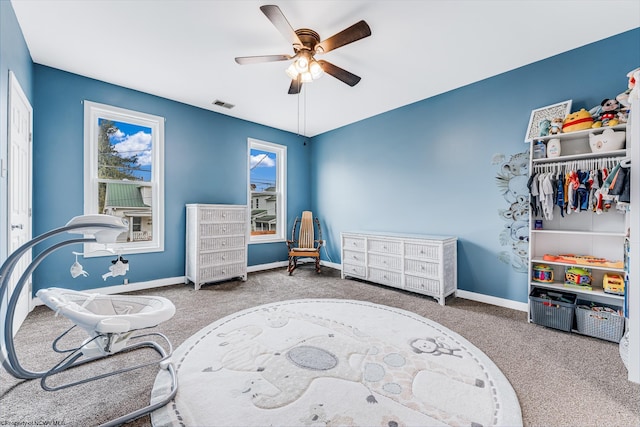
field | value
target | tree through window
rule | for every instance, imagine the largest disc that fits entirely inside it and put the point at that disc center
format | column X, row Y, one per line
column 123, row 173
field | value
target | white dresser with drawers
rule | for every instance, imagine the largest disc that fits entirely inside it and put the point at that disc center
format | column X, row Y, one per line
column 216, row 243
column 424, row 264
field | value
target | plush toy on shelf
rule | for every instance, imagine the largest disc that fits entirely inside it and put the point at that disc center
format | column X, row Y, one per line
column 623, row 98
column 543, row 127
column 578, row 120
column 606, row 113
column 556, row 126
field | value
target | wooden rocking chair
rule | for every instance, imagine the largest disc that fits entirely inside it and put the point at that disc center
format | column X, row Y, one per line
column 306, row 246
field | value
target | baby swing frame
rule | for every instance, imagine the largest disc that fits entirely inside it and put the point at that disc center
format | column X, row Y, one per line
column 105, row 229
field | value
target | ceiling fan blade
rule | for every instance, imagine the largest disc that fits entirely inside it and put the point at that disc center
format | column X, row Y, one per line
column 339, row 73
column 278, row 19
column 296, row 86
column 354, row 33
column 243, row 60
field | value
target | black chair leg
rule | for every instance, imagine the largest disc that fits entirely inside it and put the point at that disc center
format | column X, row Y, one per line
column 292, row 264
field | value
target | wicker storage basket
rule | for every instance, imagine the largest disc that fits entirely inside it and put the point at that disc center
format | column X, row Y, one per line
column 600, row 324
column 552, row 309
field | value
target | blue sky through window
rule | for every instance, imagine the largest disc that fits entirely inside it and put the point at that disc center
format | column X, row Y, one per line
column 133, row 140
column 263, row 169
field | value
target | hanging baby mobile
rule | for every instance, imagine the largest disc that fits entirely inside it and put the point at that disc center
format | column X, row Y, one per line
column 511, row 181
column 118, row 267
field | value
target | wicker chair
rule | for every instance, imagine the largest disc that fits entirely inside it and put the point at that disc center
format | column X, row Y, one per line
column 306, row 245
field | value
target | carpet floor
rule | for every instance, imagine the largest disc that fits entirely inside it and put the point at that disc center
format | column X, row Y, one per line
column 561, row 379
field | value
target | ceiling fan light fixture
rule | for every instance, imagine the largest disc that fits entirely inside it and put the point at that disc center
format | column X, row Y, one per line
column 306, row 77
column 315, row 69
column 306, row 43
column 302, row 64
column 291, row 71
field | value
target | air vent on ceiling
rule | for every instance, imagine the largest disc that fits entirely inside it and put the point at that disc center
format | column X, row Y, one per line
column 223, row 104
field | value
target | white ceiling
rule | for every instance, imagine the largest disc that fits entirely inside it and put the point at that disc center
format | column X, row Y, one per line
column 185, row 50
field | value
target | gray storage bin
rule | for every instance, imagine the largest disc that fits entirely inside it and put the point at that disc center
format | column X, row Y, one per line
column 599, row 324
column 552, row 308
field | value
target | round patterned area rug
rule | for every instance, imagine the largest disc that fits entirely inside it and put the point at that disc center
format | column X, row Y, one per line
column 328, row 362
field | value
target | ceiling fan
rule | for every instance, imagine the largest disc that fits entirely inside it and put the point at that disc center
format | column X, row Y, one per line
column 306, row 44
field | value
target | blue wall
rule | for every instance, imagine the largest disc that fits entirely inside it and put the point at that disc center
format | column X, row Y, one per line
column 427, row 167
column 205, row 162
column 14, row 56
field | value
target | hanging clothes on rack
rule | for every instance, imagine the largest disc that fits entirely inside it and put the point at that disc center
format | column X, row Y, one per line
column 532, row 185
column 560, row 193
column 620, row 187
column 588, row 185
column 546, row 195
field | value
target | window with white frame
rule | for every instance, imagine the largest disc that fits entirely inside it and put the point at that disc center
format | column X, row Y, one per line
column 267, row 191
column 124, row 175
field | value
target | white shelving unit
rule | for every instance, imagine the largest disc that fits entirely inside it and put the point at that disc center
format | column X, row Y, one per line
column 633, row 293
column 581, row 233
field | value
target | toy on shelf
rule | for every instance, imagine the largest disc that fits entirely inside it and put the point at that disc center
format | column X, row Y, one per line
column 613, row 283
column 577, row 277
column 606, row 114
column 578, row 120
column 587, row 260
column 542, row 273
column 608, row 140
column 543, row 127
column 556, row 126
column 623, row 98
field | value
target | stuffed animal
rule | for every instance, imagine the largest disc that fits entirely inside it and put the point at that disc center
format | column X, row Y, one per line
column 606, row 113
column 578, row 120
column 543, row 127
column 623, row 98
column 556, row 126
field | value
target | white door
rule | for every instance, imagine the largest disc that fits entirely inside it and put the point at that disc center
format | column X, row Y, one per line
column 19, row 189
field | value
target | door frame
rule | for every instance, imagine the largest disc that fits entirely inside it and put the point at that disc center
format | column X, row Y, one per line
column 15, row 90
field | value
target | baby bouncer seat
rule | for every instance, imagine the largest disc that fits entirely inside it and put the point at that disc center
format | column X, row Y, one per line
column 112, row 322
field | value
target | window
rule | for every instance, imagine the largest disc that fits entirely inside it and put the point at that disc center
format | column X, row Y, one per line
column 123, row 175
column 267, row 191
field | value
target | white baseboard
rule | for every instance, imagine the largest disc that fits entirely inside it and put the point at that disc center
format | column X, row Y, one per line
column 488, row 299
column 138, row 286
column 261, row 267
column 279, row 264
column 331, row 265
